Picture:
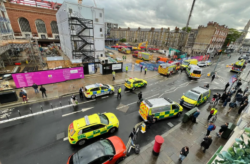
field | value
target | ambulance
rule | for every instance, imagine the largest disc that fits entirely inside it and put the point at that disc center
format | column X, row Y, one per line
column 168, row 68
column 159, row 107
column 239, row 65
column 188, row 62
column 194, row 71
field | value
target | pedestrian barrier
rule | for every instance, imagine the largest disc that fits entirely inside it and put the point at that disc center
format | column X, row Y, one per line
column 125, row 65
column 111, row 48
column 149, row 66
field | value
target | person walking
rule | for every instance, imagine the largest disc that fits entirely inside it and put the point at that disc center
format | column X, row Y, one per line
column 195, row 115
column 132, row 136
column 150, row 121
column 242, row 107
column 213, row 76
column 113, row 73
column 182, row 101
column 24, row 96
column 231, row 106
column 125, row 57
column 228, row 99
column 183, row 154
column 119, row 93
column 141, row 67
column 239, row 83
column 238, row 99
column 226, row 86
column 210, row 128
column 212, row 113
column 35, row 88
column 43, row 90
column 224, row 96
column 140, row 96
column 239, row 91
column 244, row 98
column 126, row 69
column 222, row 129
column 145, row 70
column 245, row 91
column 206, row 143
column 122, row 57
column 81, row 92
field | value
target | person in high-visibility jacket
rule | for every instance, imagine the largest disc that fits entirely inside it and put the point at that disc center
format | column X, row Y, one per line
column 119, row 93
column 126, row 69
column 146, row 70
column 212, row 113
column 113, row 73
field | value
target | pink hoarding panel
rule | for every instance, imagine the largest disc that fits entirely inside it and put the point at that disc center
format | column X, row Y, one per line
column 47, row 77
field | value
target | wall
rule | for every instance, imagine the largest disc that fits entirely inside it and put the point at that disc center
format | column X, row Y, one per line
column 15, row 11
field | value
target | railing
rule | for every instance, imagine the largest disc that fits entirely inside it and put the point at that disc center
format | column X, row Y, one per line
column 18, row 34
column 2, row 19
column 4, row 31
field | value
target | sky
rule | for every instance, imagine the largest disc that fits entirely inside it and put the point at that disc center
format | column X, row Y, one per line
column 172, row 13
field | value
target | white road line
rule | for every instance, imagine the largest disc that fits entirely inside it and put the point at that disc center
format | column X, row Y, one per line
column 87, row 101
column 153, row 96
column 150, row 84
column 66, row 139
column 105, row 97
column 83, row 110
column 216, row 83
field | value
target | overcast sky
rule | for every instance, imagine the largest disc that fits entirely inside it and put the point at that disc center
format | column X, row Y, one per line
column 171, row 13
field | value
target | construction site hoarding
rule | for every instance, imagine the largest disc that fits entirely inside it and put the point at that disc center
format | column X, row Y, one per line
column 47, row 77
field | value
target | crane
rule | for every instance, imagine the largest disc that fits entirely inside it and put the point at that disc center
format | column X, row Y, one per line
column 172, row 49
column 139, row 46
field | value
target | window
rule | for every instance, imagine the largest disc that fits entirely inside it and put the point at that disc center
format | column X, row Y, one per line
column 197, row 72
column 103, row 119
column 95, row 89
column 102, row 88
column 161, row 109
column 86, row 130
column 54, row 27
column 100, row 14
column 95, row 127
column 175, row 107
column 24, row 25
column 206, row 94
column 100, row 29
column 40, row 26
column 102, row 159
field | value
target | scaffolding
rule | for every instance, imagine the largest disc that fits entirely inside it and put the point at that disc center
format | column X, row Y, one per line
column 82, row 39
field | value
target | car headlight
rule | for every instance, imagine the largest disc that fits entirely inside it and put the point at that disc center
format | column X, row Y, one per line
column 117, row 123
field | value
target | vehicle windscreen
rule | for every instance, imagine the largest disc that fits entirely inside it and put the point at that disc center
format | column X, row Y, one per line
column 104, row 119
column 191, row 95
column 128, row 82
column 185, row 63
column 106, row 85
column 93, row 151
column 237, row 66
column 197, row 72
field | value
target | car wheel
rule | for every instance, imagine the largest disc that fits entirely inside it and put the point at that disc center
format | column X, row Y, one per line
column 112, row 130
column 93, row 96
column 119, row 160
column 179, row 114
column 81, row 142
column 111, row 92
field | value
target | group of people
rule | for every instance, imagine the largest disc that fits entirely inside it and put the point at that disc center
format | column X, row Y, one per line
column 124, row 57
column 23, row 93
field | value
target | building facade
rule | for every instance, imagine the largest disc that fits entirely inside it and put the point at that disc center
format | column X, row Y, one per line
column 209, row 39
column 33, row 21
column 188, row 48
column 82, row 32
column 6, row 31
column 160, row 38
column 108, row 27
column 246, row 45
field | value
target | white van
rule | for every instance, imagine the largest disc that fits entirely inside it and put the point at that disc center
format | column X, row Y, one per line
column 194, row 71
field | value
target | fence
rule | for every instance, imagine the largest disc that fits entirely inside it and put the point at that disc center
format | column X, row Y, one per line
column 111, row 48
column 129, row 67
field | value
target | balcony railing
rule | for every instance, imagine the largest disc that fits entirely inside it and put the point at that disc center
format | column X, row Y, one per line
column 4, row 31
column 2, row 19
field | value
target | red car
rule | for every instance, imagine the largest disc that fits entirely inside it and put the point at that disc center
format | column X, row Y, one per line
column 108, row 151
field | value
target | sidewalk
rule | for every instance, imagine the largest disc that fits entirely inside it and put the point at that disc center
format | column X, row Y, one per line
column 72, row 87
column 185, row 134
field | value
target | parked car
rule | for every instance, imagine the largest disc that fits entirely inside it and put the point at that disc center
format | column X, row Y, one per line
column 204, row 63
column 108, row 151
column 246, row 57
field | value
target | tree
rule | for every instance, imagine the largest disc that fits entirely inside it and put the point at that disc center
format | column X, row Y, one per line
column 123, row 40
column 184, row 29
column 232, row 35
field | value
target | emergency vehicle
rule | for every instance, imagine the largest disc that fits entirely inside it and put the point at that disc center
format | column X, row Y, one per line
column 194, row 71
column 79, row 131
column 188, row 62
column 196, row 97
column 143, row 56
column 98, row 89
column 133, row 83
column 239, row 65
column 169, row 68
column 159, row 107
column 124, row 50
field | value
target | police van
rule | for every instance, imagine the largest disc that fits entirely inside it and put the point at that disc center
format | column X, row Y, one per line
column 159, row 107
column 196, row 97
column 98, row 89
column 194, row 71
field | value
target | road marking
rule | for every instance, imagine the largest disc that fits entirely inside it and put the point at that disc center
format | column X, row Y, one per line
column 105, row 97
column 83, row 110
column 216, row 83
column 65, row 139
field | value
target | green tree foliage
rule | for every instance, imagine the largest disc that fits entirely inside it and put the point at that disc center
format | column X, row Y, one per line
column 239, row 153
column 123, row 40
column 184, row 29
column 232, row 35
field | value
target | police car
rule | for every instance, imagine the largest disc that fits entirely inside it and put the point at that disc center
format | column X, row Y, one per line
column 91, row 126
column 133, row 83
column 98, row 89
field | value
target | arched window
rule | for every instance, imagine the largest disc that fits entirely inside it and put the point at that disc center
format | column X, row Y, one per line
column 24, row 25
column 40, row 26
column 54, row 27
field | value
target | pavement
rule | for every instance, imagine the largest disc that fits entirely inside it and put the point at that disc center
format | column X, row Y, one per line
column 42, row 138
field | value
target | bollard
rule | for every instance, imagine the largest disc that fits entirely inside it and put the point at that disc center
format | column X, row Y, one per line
column 7, row 117
column 157, row 146
column 19, row 113
column 42, row 108
column 31, row 111
column 60, row 103
column 51, row 105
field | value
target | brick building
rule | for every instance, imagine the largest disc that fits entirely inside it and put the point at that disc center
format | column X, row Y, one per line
column 37, row 22
column 209, row 39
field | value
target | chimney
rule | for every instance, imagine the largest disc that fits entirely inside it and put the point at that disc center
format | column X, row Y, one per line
column 139, row 28
column 128, row 28
column 152, row 28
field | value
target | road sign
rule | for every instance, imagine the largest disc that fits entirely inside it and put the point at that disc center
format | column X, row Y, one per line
column 233, row 79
